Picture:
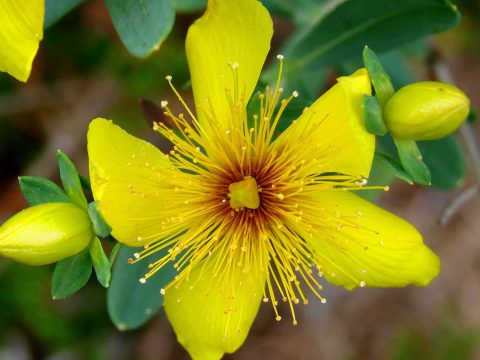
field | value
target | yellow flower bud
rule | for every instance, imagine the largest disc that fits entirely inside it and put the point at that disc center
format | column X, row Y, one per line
column 426, row 110
column 45, row 233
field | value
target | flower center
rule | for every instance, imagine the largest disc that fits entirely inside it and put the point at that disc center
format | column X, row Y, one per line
column 244, row 194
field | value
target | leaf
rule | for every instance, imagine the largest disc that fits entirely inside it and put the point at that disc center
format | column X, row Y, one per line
column 411, row 160
column 142, row 24
column 56, row 9
column 445, row 160
column 37, row 190
column 100, row 262
column 100, row 227
column 71, row 274
column 189, row 5
column 393, row 166
column 380, row 79
column 71, row 180
column 382, row 24
column 130, row 303
column 373, row 116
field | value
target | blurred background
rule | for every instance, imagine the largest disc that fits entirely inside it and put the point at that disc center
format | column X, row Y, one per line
column 83, row 71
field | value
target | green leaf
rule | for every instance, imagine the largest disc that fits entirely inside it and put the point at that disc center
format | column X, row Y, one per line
column 142, row 24
column 411, row 160
column 380, row 79
column 373, row 116
column 189, row 5
column 130, row 303
column 71, row 180
column 342, row 33
column 37, row 190
column 71, row 274
column 393, row 166
column 100, row 262
column 100, row 226
column 56, row 9
column 445, row 160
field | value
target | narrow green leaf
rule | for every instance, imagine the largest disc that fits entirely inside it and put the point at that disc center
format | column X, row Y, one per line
column 114, row 253
column 187, row 6
column 373, row 116
column 142, row 24
column 71, row 180
column 100, row 226
column 394, row 167
column 37, row 190
column 71, row 274
column 100, row 261
column 445, row 160
column 412, row 162
column 341, row 34
column 380, row 79
column 130, row 303
column 56, row 9
column 85, row 182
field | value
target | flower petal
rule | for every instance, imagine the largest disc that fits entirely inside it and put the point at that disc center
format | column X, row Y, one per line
column 230, row 31
column 332, row 131
column 364, row 245
column 20, row 34
column 212, row 315
column 128, row 177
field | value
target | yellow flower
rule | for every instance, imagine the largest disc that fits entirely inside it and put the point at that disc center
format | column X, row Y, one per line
column 247, row 216
column 43, row 234
column 21, row 30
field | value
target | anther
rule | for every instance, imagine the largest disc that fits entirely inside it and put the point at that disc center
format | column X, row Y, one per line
column 280, row 57
column 142, row 280
column 169, row 78
column 136, row 255
column 295, row 94
column 164, row 103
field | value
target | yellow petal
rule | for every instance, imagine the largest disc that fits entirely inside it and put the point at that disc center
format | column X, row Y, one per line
column 128, row 178
column 212, row 315
column 21, row 30
column 364, row 245
column 230, row 31
column 332, row 131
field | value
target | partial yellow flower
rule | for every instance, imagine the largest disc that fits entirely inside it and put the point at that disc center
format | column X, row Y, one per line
column 43, row 234
column 21, row 29
column 247, row 216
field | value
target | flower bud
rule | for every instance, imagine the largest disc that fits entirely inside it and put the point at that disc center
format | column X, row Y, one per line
column 426, row 110
column 45, row 233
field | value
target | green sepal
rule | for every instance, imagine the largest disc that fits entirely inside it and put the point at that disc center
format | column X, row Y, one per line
column 100, row 226
column 71, row 180
column 71, row 274
column 411, row 160
column 37, row 190
column 394, row 167
column 373, row 116
column 100, row 262
column 85, row 182
column 56, row 9
column 380, row 79
column 131, row 303
column 113, row 254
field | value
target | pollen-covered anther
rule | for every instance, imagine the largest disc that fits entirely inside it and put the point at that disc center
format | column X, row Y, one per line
column 169, row 78
column 142, row 280
column 164, row 103
column 295, row 93
column 280, row 57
